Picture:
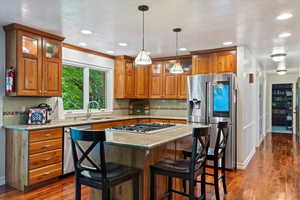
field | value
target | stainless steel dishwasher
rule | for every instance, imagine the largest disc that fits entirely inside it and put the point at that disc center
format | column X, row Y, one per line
column 68, row 158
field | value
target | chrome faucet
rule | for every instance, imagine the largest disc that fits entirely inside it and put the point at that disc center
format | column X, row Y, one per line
column 88, row 115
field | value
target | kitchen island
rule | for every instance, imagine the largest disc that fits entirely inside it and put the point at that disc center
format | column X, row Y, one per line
column 28, row 146
column 143, row 150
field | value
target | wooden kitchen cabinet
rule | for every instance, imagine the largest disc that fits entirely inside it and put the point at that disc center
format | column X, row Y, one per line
column 124, row 86
column 226, row 62
column 33, row 157
column 215, row 61
column 35, row 58
column 156, row 80
column 52, row 66
column 130, row 81
column 170, row 82
column 202, row 64
column 182, row 89
column 141, row 74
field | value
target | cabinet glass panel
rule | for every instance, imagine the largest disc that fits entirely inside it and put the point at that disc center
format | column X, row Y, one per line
column 52, row 50
column 157, row 69
column 186, row 65
column 29, row 45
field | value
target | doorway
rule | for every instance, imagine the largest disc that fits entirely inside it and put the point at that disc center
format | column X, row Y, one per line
column 282, row 108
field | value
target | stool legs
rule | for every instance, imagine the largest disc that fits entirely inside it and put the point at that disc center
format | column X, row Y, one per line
column 216, row 179
column 170, row 184
column 223, row 175
column 152, row 185
column 78, row 190
column 192, row 190
column 105, row 193
column 135, row 187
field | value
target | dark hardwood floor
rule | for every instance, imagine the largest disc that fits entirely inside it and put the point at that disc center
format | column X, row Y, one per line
column 273, row 174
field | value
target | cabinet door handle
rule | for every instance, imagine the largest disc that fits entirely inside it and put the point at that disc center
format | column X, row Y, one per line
column 46, row 159
column 46, row 173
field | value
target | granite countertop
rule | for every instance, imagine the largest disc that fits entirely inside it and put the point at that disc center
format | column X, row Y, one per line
column 84, row 121
column 143, row 141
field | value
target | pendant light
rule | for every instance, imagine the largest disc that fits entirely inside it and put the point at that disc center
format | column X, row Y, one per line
column 281, row 69
column 143, row 57
column 176, row 68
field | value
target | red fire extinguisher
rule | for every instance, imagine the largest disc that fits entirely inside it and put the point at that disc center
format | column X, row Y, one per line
column 9, row 81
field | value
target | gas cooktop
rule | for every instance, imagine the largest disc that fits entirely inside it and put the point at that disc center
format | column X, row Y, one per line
column 142, row 128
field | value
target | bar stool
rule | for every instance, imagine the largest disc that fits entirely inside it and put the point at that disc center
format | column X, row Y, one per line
column 216, row 154
column 102, row 176
column 187, row 170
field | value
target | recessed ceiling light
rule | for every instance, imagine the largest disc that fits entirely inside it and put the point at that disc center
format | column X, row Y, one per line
column 227, row 43
column 110, row 52
column 86, row 32
column 123, row 44
column 83, row 44
column 284, row 16
column 182, row 49
column 284, row 35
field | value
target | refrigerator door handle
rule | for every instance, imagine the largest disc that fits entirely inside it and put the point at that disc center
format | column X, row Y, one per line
column 209, row 109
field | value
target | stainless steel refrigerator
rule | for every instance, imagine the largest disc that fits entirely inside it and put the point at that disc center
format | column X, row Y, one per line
column 212, row 99
column 298, row 110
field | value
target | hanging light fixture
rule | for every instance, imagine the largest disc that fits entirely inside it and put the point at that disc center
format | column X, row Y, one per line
column 143, row 57
column 281, row 69
column 176, row 68
column 278, row 54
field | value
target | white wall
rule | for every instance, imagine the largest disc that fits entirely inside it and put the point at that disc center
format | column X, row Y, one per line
column 248, row 106
column 2, row 133
column 273, row 78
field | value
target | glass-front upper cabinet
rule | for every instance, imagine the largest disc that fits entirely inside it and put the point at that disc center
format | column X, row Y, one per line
column 186, row 66
column 29, row 45
column 157, row 68
column 52, row 49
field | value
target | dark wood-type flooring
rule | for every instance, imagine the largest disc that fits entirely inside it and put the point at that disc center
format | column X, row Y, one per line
column 273, row 174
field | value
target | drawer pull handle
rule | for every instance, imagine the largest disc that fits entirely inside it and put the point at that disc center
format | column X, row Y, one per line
column 46, row 146
column 46, row 159
column 46, row 173
column 47, row 134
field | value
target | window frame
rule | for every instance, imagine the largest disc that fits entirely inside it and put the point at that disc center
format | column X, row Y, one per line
column 108, row 87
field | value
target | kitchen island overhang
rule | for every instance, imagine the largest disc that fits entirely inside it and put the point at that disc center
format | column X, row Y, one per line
column 141, row 151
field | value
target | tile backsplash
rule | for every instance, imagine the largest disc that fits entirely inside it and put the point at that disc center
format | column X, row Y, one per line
column 167, row 107
column 14, row 107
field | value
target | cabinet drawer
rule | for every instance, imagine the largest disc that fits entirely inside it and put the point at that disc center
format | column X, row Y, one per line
column 105, row 125
column 143, row 120
column 160, row 121
column 43, row 146
column 43, row 159
column 44, row 173
column 46, row 134
column 177, row 121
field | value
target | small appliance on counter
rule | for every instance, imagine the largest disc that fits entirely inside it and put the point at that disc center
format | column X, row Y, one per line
column 39, row 114
column 139, row 107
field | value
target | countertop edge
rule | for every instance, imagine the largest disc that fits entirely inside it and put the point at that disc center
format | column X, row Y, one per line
column 24, row 127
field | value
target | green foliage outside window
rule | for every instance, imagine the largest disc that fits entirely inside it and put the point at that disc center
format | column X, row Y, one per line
column 72, row 84
column 97, row 88
column 73, row 88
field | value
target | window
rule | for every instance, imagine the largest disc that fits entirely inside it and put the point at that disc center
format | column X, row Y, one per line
column 83, row 85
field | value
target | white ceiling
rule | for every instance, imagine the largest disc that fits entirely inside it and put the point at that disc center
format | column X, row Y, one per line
column 205, row 23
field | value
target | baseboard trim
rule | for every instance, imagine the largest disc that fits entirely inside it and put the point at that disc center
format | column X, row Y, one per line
column 244, row 164
column 2, row 180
